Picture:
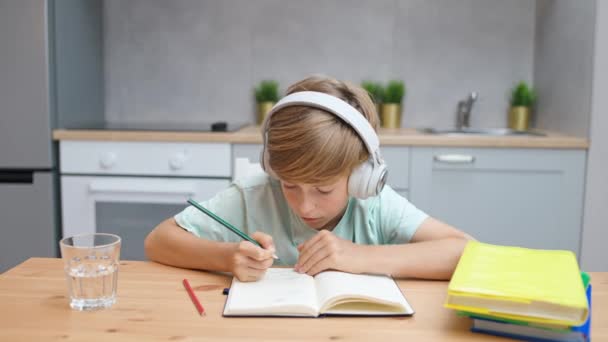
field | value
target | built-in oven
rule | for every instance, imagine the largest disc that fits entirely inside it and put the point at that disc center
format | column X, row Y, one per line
column 127, row 188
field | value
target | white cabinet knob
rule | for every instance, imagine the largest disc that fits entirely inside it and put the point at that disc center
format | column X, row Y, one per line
column 177, row 161
column 108, row 160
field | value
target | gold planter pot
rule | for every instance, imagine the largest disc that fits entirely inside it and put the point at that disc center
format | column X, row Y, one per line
column 390, row 115
column 519, row 118
column 263, row 109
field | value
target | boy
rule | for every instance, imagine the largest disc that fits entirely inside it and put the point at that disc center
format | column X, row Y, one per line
column 322, row 204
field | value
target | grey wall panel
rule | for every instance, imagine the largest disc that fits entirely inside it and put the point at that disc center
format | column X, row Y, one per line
column 595, row 229
column 199, row 60
column 563, row 68
column 78, row 56
column 350, row 40
column 187, row 61
column 445, row 49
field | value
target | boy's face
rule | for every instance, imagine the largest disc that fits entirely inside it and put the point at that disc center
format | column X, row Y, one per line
column 320, row 206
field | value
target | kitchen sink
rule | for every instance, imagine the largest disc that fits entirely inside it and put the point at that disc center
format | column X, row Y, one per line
column 480, row 131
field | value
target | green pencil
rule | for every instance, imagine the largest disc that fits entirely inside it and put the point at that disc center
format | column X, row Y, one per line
column 226, row 224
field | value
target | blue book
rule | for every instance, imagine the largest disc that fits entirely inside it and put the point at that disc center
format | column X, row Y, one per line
column 533, row 333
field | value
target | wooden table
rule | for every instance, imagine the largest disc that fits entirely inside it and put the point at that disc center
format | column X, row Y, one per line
column 153, row 305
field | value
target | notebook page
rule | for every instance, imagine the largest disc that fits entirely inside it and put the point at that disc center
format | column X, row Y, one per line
column 281, row 291
column 332, row 284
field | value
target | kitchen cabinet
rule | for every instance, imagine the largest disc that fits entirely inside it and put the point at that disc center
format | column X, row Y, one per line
column 397, row 159
column 531, row 197
column 526, row 197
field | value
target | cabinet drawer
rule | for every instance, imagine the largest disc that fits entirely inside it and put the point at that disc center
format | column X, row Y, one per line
column 145, row 158
column 398, row 162
column 500, row 159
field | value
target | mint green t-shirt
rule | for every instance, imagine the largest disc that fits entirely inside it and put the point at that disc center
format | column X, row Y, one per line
column 257, row 203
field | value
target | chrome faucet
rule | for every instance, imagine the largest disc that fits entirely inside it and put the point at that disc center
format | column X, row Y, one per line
column 465, row 106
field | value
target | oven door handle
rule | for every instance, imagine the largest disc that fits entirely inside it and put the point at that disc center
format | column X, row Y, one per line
column 142, row 187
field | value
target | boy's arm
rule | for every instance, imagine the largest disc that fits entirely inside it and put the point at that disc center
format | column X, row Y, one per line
column 432, row 253
column 169, row 244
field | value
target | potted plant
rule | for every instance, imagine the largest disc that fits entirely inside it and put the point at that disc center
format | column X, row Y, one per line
column 523, row 98
column 390, row 115
column 266, row 95
column 375, row 91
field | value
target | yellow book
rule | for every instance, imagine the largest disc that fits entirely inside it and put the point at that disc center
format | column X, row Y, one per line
column 534, row 285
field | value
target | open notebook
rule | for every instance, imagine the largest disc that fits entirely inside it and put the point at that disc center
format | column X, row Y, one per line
column 284, row 292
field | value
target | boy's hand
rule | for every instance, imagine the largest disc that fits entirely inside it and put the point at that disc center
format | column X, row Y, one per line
column 326, row 251
column 250, row 262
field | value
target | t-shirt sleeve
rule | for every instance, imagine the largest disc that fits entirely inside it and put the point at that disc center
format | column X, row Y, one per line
column 227, row 204
column 400, row 218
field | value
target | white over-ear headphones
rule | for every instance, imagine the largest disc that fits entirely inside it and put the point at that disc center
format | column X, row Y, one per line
column 366, row 179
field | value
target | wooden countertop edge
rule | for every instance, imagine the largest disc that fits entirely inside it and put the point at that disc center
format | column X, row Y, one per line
column 401, row 137
column 107, row 135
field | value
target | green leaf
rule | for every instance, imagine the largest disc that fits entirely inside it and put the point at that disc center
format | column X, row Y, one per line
column 395, row 90
column 267, row 91
column 375, row 90
column 523, row 95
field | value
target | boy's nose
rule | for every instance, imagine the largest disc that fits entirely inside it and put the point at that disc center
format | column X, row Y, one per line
column 306, row 207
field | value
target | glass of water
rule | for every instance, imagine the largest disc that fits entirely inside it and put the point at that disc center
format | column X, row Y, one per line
column 91, row 269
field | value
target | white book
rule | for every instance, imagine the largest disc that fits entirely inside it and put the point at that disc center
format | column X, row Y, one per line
column 285, row 292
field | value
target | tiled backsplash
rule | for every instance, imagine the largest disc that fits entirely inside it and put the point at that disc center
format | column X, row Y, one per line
column 198, row 60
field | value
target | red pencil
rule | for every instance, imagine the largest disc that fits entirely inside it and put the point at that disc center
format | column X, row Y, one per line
column 192, row 295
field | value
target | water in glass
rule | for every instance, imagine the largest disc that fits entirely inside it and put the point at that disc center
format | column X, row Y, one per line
column 91, row 269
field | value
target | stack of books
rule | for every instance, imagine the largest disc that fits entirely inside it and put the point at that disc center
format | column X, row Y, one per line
column 528, row 294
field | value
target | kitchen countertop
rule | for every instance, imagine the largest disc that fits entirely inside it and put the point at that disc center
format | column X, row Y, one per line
column 388, row 137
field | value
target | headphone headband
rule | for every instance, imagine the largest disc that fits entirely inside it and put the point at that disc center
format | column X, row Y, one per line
column 335, row 106
column 369, row 177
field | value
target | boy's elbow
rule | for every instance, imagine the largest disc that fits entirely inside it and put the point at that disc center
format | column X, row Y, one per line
column 151, row 243
column 457, row 233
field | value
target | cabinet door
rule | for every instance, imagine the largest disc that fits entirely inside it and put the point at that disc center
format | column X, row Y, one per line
column 397, row 159
column 526, row 197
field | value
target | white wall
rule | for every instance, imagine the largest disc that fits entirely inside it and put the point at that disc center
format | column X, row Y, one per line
column 595, row 232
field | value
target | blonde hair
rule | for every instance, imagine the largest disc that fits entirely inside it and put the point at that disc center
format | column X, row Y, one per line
column 309, row 145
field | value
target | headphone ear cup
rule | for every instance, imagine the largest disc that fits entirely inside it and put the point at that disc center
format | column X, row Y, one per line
column 359, row 180
column 366, row 180
column 377, row 179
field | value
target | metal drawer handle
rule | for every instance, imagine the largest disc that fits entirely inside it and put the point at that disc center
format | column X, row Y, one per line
column 455, row 158
column 140, row 188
